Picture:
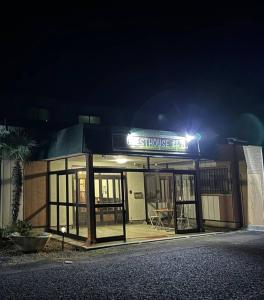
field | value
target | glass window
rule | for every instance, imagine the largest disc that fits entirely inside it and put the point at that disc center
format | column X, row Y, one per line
column 72, row 220
column 77, row 162
column 215, row 180
column 72, row 188
column 171, row 163
column 107, row 188
column 62, row 188
column 53, row 217
column 96, row 189
column 57, row 165
column 119, row 161
column 53, row 188
column 186, row 216
column 39, row 114
column 63, row 216
column 82, row 187
column 72, row 214
column 104, row 188
column 185, row 187
column 109, row 222
column 88, row 119
column 83, row 221
column 95, row 120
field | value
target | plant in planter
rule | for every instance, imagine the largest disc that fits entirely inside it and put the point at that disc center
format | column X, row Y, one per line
column 26, row 240
column 16, row 146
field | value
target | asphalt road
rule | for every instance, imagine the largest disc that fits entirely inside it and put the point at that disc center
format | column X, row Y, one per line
column 224, row 266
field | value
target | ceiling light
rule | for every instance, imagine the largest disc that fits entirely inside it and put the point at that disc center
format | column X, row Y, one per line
column 121, row 160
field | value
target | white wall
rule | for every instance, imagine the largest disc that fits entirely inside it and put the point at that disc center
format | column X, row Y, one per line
column 211, row 207
column 136, row 207
column 255, row 187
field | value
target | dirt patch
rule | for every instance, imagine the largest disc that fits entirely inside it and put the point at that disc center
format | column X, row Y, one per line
column 10, row 254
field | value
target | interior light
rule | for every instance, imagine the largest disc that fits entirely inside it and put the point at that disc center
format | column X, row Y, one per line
column 189, row 138
column 121, row 160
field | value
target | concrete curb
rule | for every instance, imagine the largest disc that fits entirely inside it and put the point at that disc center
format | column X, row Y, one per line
column 103, row 246
column 255, row 228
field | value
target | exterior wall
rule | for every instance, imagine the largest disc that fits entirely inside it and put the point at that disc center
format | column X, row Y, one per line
column 219, row 211
column 244, row 190
column 35, row 193
column 247, row 188
column 135, row 184
column 251, row 171
column 222, row 210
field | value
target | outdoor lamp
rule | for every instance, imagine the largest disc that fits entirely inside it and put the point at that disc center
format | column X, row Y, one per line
column 196, row 137
column 63, row 230
column 189, row 137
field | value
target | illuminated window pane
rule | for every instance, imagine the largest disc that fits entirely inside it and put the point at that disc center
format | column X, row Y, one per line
column 57, row 165
column 171, row 163
column 77, row 162
column 120, row 161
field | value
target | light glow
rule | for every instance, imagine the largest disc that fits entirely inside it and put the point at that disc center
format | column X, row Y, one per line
column 189, row 138
column 121, row 160
column 167, row 143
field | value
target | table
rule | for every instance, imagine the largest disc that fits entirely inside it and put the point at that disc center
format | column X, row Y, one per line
column 160, row 211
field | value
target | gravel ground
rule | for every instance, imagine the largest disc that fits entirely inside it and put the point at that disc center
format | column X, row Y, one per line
column 224, row 266
column 10, row 255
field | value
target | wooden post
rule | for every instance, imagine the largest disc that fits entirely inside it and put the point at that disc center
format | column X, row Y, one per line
column 90, row 199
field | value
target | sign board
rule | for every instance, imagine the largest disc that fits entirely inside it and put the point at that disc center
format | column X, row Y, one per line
column 138, row 195
column 150, row 141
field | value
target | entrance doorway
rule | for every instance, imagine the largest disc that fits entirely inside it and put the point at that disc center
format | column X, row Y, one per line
column 109, row 206
column 144, row 205
column 172, row 200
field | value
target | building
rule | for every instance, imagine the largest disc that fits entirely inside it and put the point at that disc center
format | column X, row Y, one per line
column 105, row 184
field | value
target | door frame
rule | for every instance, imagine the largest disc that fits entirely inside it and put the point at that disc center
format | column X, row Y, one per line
column 75, row 205
column 195, row 202
column 176, row 203
column 114, row 205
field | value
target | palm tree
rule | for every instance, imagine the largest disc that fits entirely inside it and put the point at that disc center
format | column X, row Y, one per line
column 17, row 146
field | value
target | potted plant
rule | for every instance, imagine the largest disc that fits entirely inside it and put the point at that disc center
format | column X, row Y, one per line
column 27, row 240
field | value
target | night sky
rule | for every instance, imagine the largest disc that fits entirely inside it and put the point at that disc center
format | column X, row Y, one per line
column 196, row 67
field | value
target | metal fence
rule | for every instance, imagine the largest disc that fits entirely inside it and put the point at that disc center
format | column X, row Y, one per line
column 215, row 181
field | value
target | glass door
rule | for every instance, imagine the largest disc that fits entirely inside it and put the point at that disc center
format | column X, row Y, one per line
column 109, row 206
column 186, row 205
column 159, row 198
column 67, row 205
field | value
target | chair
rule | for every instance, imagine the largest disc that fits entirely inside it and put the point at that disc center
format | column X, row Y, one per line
column 183, row 221
column 155, row 218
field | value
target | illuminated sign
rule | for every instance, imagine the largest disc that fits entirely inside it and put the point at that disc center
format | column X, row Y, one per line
column 152, row 141
column 172, row 143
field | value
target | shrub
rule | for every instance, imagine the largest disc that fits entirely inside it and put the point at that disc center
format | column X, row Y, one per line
column 2, row 233
column 23, row 228
column 20, row 227
column 5, row 232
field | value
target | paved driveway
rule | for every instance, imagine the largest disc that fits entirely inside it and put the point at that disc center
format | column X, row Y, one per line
column 224, row 266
